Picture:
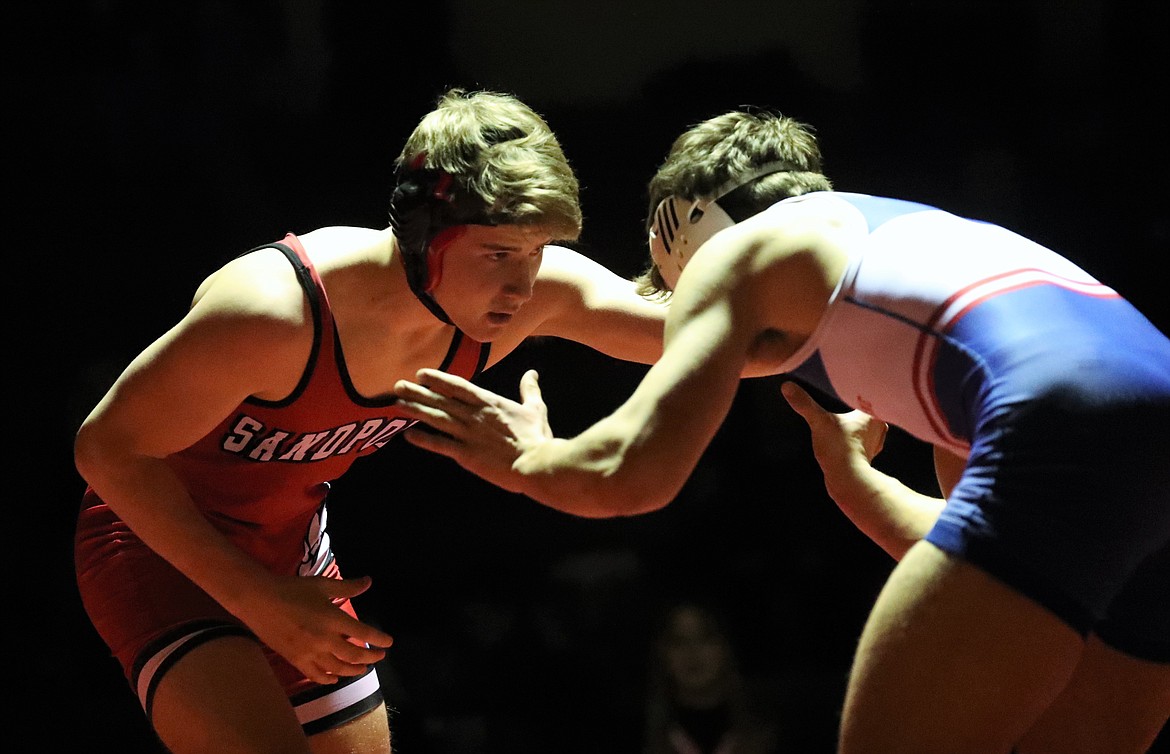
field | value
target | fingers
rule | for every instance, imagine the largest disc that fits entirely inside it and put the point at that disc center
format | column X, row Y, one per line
column 530, row 388
column 346, row 588
column 343, row 666
column 529, row 385
column 421, row 402
column 421, row 409
column 412, row 391
column 442, row 444
column 443, row 401
column 432, row 409
column 346, row 653
column 345, row 659
column 801, row 402
column 341, row 589
column 884, row 430
column 355, row 646
column 452, row 386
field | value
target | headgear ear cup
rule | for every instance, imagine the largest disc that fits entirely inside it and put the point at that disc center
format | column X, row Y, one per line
column 681, row 226
column 416, row 217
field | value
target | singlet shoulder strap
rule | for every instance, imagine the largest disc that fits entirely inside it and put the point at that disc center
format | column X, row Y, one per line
column 324, row 333
column 466, row 357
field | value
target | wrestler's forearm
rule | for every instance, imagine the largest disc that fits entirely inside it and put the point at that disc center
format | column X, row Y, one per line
column 587, row 478
column 148, row 496
column 893, row 515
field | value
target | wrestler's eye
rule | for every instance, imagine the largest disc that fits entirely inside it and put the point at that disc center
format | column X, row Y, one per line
column 696, row 215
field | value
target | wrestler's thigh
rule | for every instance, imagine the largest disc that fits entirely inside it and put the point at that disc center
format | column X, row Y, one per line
column 952, row 660
column 369, row 734
column 1114, row 703
column 223, row 697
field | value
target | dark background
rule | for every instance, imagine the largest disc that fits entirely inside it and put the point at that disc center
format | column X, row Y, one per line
column 150, row 142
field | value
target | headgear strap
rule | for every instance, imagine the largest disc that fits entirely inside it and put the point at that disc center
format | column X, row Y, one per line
column 425, row 202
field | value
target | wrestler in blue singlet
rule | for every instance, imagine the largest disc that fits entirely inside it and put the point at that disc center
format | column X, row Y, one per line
column 1056, row 388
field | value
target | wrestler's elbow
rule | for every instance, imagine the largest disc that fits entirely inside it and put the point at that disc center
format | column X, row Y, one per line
column 600, row 500
column 618, row 495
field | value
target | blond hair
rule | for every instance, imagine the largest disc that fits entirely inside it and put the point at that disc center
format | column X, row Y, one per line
column 502, row 152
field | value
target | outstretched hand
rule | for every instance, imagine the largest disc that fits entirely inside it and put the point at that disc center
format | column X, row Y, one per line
column 886, row 510
column 483, row 432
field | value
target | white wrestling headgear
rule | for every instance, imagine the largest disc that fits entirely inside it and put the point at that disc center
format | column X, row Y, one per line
column 681, row 226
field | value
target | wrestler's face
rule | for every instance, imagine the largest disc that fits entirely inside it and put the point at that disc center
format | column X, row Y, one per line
column 487, row 274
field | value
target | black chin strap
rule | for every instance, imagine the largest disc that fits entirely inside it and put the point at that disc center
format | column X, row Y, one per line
column 416, row 215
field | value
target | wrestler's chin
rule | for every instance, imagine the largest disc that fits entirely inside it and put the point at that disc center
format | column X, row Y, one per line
column 490, row 327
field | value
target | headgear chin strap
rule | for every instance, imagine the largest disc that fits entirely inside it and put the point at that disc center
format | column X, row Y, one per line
column 425, row 202
column 681, row 226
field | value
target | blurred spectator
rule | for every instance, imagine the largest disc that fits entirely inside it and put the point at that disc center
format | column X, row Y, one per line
column 698, row 700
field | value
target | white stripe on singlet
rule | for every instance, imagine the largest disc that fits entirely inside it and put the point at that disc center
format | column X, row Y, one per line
column 323, row 706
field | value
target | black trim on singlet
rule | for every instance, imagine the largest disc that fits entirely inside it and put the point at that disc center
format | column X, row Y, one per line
column 210, row 628
column 485, row 350
column 347, row 382
column 305, row 278
column 452, row 350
